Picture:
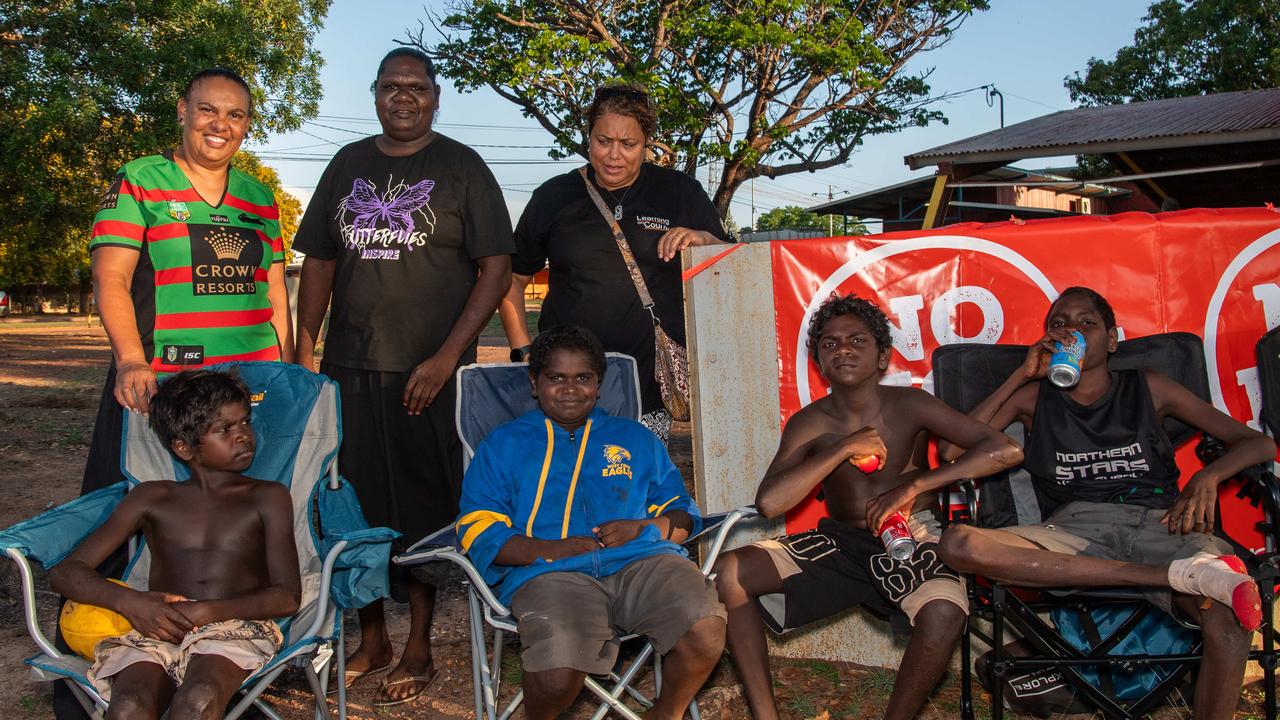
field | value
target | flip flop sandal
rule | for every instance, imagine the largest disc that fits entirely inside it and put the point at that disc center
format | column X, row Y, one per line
column 384, row 700
column 351, row 677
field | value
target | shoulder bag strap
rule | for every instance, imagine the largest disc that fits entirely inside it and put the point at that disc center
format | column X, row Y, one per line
column 623, row 246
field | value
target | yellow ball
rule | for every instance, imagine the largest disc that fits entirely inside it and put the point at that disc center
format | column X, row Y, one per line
column 83, row 626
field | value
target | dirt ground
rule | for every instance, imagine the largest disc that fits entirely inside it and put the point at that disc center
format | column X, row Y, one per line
column 51, row 375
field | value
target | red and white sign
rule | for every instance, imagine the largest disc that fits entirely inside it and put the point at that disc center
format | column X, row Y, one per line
column 1215, row 273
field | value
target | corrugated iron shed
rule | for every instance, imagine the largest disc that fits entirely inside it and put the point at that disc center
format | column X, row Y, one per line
column 1223, row 118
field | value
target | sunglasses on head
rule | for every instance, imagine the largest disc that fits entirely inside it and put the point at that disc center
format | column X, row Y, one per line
column 605, row 93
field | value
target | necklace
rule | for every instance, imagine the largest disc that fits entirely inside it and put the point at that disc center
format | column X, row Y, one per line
column 617, row 208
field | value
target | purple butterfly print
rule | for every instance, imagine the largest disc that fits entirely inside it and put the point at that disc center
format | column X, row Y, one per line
column 395, row 207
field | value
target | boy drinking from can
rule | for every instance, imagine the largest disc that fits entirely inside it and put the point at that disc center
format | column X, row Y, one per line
column 1098, row 450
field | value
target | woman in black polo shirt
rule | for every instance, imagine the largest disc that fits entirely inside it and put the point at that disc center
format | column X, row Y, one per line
column 660, row 211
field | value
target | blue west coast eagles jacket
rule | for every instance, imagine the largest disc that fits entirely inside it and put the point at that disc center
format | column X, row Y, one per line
column 529, row 477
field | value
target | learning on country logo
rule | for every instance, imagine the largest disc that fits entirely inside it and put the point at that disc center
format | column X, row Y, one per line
column 226, row 245
column 617, row 458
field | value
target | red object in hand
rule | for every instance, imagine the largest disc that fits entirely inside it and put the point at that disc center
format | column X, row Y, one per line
column 867, row 464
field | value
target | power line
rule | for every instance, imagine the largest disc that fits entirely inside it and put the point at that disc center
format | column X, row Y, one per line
column 496, row 161
column 478, row 126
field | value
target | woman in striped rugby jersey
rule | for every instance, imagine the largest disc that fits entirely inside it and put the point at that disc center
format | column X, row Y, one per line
column 188, row 262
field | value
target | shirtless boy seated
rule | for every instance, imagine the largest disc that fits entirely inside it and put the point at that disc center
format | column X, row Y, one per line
column 797, row 579
column 576, row 518
column 223, row 563
column 1121, row 523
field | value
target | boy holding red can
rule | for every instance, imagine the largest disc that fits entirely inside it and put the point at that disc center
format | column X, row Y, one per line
column 829, row 445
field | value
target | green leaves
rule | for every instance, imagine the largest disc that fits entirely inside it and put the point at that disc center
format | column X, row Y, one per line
column 1188, row 48
column 87, row 85
column 768, row 87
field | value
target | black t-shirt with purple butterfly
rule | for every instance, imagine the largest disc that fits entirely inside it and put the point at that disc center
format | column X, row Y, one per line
column 406, row 233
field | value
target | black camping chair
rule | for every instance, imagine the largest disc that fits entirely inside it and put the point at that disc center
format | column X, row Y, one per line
column 1268, row 352
column 964, row 375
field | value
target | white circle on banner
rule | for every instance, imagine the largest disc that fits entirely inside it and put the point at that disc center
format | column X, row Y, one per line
column 1237, row 264
column 897, row 247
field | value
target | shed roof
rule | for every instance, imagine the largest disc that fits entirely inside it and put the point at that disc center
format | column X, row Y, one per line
column 1221, row 118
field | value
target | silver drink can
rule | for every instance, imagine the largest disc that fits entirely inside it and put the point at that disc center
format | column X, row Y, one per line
column 1064, row 365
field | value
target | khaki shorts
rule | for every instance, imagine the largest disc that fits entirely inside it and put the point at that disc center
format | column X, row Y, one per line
column 572, row 620
column 249, row 644
column 1114, row 531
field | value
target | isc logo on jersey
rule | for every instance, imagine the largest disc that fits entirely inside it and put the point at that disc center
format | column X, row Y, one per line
column 917, row 283
column 1245, row 304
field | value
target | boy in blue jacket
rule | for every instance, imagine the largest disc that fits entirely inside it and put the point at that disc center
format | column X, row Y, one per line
column 576, row 518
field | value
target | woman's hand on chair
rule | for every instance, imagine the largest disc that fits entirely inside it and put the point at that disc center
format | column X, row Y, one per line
column 135, row 385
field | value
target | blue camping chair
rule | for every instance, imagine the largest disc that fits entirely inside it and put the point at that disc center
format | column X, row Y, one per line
column 342, row 560
column 488, row 396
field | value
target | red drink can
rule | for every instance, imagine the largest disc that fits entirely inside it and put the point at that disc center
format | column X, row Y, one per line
column 896, row 537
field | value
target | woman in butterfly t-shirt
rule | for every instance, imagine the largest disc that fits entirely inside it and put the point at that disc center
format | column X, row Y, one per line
column 409, row 235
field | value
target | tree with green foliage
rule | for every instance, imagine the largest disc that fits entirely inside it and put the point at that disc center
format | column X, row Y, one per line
column 88, row 85
column 288, row 205
column 797, row 218
column 1188, row 47
column 765, row 87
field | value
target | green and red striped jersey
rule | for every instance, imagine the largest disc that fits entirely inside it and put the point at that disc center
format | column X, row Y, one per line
column 200, row 286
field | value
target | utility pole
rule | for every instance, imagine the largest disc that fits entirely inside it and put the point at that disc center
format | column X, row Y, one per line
column 831, row 227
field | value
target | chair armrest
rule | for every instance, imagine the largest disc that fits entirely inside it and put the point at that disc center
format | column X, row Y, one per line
column 719, row 525
column 449, row 553
column 29, row 603
column 356, row 565
column 446, row 536
column 50, row 536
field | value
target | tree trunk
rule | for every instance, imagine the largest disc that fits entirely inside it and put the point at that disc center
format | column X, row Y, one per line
column 86, row 293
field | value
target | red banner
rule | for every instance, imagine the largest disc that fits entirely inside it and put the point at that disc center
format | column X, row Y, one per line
column 1215, row 273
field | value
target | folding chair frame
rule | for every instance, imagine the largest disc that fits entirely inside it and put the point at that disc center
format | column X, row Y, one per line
column 484, row 610
column 1003, row 608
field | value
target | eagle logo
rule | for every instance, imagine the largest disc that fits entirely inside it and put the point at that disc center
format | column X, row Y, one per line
column 618, row 458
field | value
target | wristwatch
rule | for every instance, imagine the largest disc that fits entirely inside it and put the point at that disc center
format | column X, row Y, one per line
column 520, row 353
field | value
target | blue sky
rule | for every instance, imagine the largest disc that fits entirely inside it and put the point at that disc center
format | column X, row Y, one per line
column 1024, row 47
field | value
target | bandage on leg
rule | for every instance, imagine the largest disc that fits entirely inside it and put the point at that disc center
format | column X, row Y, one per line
column 1222, row 578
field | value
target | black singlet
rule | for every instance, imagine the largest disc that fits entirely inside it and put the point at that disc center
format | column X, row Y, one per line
column 1113, row 451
